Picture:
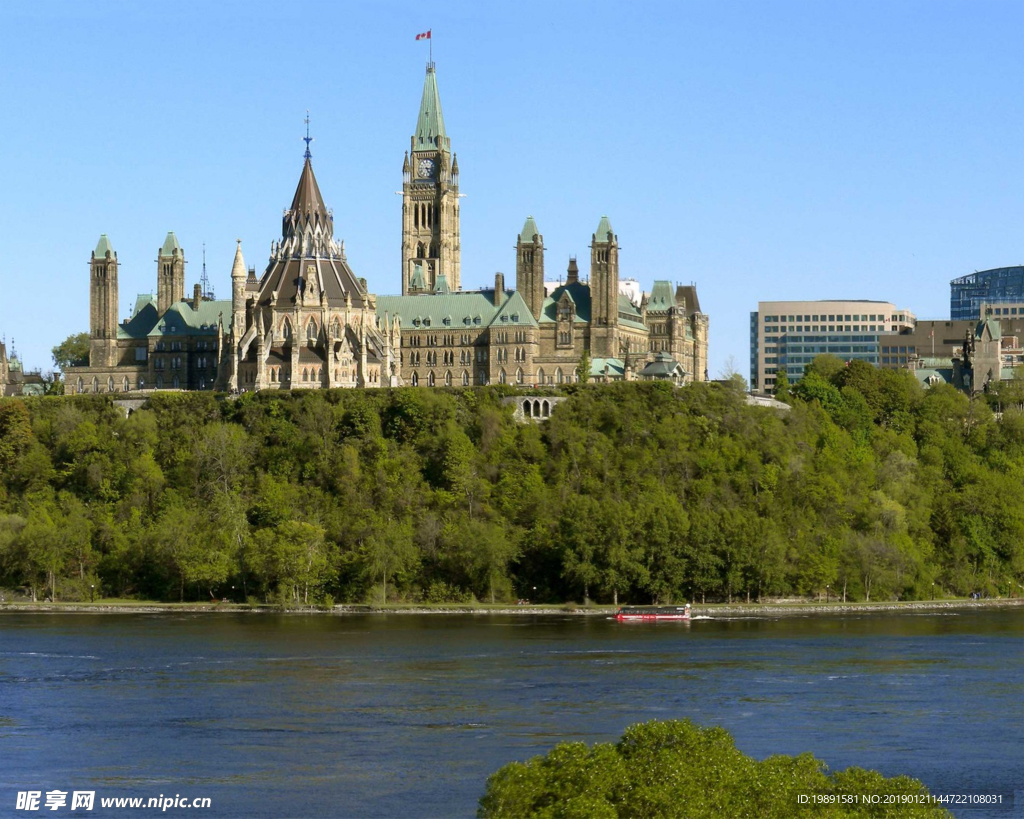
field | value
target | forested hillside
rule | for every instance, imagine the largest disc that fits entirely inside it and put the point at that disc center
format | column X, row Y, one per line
column 870, row 485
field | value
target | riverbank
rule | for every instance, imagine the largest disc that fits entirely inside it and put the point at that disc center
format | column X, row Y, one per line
column 715, row 610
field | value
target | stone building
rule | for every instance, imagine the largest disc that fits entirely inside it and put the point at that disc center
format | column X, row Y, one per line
column 309, row 322
column 166, row 343
column 526, row 335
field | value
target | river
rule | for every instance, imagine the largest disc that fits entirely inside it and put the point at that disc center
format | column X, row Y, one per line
column 407, row 715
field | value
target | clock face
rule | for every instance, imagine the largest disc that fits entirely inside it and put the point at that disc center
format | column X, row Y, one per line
column 426, row 168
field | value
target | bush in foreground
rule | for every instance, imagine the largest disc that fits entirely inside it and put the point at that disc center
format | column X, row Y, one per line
column 676, row 769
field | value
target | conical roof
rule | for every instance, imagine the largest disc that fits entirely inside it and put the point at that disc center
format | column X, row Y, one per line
column 529, row 230
column 307, row 197
column 430, row 124
column 604, row 230
column 238, row 268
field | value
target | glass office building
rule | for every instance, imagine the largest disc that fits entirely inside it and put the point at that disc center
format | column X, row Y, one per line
column 1001, row 284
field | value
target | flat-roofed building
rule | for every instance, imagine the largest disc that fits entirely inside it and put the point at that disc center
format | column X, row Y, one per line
column 788, row 335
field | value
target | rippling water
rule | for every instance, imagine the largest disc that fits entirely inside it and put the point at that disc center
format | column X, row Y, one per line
column 406, row 715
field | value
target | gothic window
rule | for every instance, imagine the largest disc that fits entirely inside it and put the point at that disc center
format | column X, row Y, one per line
column 336, row 329
column 519, row 375
column 502, row 378
column 95, row 384
column 311, row 331
column 558, row 376
column 110, row 383
column 273, row 375
column 415, row 379
column 430, row 380
column 176, row 382
column 465, row 378
column 127, row 384
column 448, row 379
column 540, row 376
column 433, row 250
column 286, row 330
column 305, row 375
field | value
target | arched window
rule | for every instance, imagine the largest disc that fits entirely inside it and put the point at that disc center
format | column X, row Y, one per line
column 546, row 409
column 430, row 379
column 519, row 376
column 286, row 330
column 273, row 375
column 415, row 379
column 95, row 384
column 558, row 375
column 502, row 378
column 110, row 383
column 448, row 379
column 311, row 331
column 176, row 382
column 540, row 376
column 81, row 386
column 465, row 378
column 336, row 329
column 305, row 375
column 421, row 251
column 127, row 384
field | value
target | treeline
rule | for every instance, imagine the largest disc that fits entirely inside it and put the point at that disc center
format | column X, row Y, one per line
column 869, row 486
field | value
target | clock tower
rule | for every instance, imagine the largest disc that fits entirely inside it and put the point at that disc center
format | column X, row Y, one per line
column 430, row 201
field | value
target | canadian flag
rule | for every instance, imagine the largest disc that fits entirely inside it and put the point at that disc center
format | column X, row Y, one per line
column 424, row 36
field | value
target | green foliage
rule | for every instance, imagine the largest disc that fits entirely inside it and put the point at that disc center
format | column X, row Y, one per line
column 677, row 769
column 630, row 493
column 72, row 351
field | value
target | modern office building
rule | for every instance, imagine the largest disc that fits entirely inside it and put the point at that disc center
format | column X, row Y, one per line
column 968, row 293
column 787, row 335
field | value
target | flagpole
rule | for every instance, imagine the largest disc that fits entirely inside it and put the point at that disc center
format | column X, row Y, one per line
column 430, row 47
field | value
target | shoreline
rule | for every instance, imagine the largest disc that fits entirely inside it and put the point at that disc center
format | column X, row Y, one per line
column 711, row 610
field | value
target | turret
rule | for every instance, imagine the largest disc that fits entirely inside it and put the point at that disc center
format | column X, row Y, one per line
column 170, row 274
column 604, row 290
column 103, row 305
column 530, row 266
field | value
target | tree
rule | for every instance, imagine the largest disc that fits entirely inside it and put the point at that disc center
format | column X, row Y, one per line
column 782, row 385
column 72, row 351
column 675, row 768
column 583, row 368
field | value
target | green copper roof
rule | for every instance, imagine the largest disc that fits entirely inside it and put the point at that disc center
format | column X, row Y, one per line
column 430, row 124
column 417, row 279
column 141, row 301
column 604, row 228
column 615, row 366
column 170, row 245
column 462, row 309
column 181, row 319
column 662, row 296
column 103, row 247
column 529, row 230
column 441, row 285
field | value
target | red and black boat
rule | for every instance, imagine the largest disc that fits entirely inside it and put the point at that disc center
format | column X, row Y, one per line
column 653, row 613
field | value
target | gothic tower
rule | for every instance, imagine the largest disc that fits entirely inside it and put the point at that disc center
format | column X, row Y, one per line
column 430, row 201
column 604, row 291
column 170, row 274
column 530, row 266
column 103, row 305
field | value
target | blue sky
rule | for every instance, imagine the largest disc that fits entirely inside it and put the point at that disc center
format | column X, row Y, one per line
column 780, row 150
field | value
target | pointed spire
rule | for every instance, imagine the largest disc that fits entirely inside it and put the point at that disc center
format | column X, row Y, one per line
column 455, row 164
column 238, row 268
column 604, row 230
column 430, row 125
column 103, row 247
column 307, row 197
column 529, row 230
column 307, row 139
column 405, row 165
column 572, row 275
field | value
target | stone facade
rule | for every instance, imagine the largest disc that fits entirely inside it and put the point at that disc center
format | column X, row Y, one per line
column 310, row 322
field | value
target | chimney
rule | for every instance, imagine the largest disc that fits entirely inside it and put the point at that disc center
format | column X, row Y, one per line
column 197, row 296
column 499, row 289
column 573, row 273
